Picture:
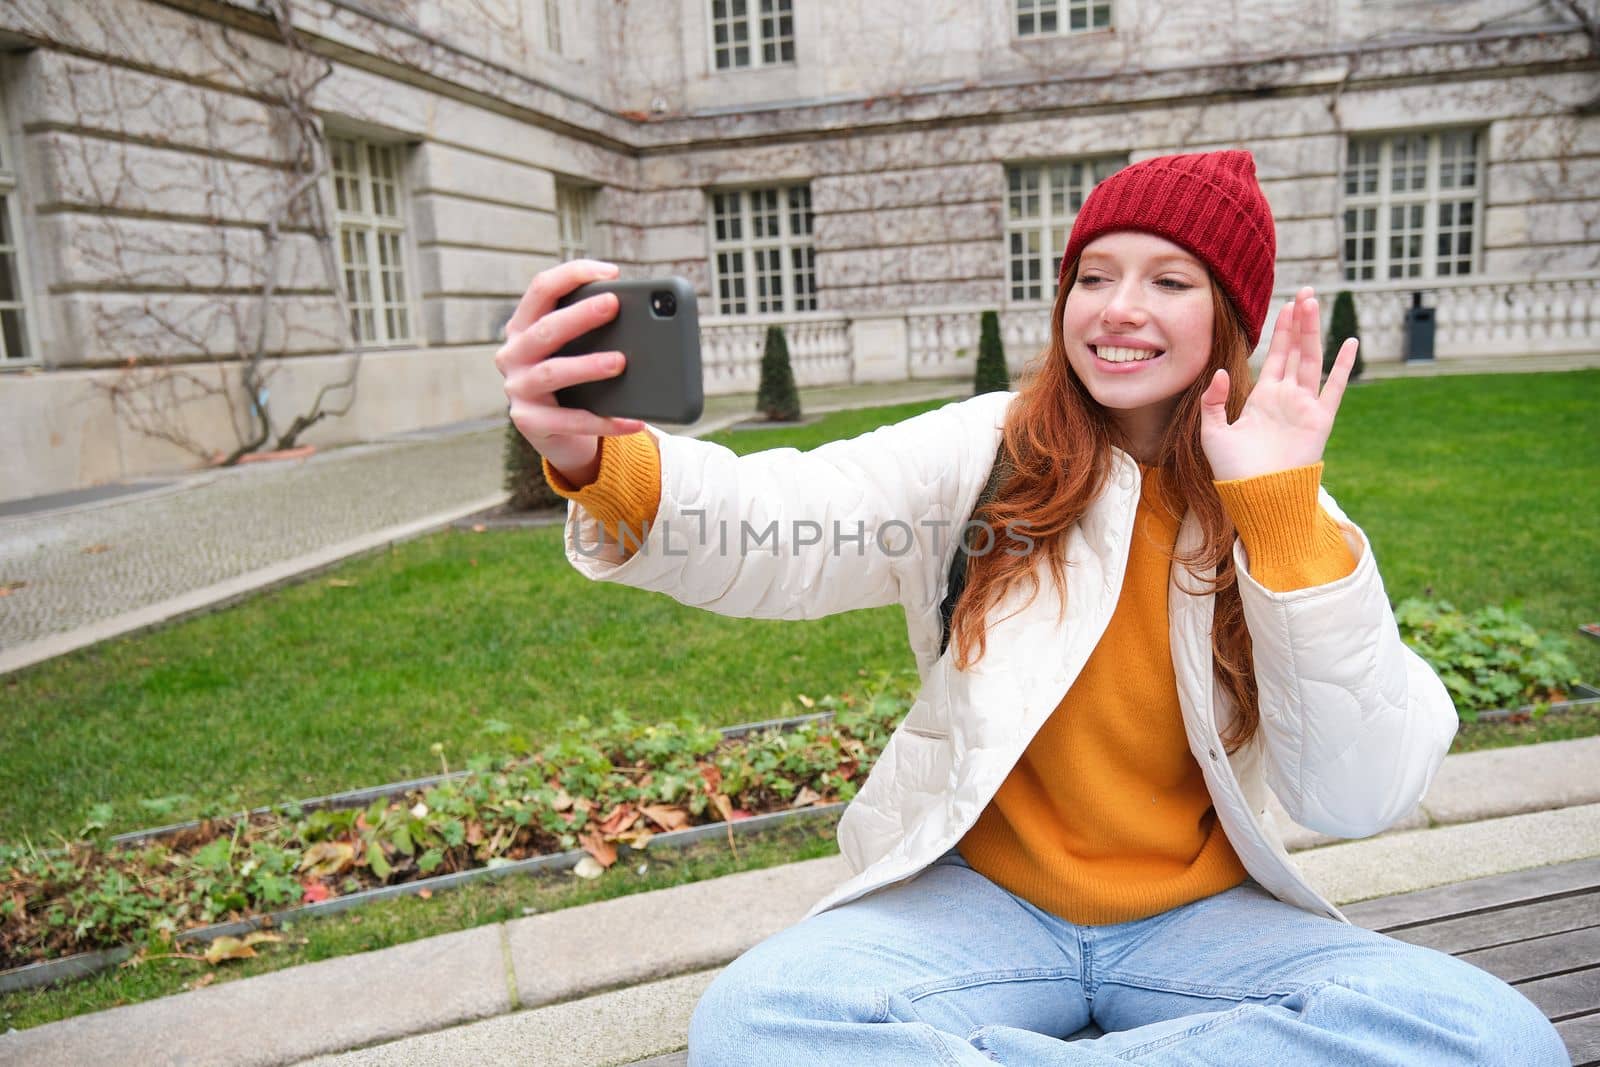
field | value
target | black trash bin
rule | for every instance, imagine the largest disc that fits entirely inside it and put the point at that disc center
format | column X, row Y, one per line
column 1419, row 330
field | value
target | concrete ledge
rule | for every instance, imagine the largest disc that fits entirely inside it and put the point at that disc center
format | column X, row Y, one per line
column 602, row 1031
column 1509, row 781
column 1422, row 859
column 288, row 1015
column 628, row 1025
column 558, row 956
column 1486, row 785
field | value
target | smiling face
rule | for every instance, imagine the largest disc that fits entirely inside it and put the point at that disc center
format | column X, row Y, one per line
column 1137, row 328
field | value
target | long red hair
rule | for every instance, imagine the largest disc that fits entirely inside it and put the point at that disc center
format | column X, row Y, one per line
column 1058, row 441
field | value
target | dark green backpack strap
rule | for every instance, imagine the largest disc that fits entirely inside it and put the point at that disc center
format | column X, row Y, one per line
column 958, row 565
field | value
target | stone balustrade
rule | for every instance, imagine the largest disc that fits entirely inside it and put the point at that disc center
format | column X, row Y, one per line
column 1475, row 318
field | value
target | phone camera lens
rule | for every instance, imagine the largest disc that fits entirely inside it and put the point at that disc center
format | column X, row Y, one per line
column 664, row 303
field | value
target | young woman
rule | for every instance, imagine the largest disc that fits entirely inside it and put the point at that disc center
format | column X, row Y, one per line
column 1070, row 825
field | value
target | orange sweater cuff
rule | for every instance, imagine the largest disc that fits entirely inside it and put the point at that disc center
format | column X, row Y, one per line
column 627, row 491
column 1291, row 541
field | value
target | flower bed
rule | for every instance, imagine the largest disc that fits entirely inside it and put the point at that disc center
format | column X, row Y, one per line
column 593, row 790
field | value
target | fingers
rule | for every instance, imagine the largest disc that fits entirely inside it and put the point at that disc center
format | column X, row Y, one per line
column 542, row 421
column 552, row 330
column 1278, row 349
column 529, row 383
column 551, row 285
column 1309, row 321
column 1338, row 377
column 1214, row 401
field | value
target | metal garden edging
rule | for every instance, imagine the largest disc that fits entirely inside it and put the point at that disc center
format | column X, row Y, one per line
column 84, row 964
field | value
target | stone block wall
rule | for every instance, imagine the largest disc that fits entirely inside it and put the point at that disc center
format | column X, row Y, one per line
column 153, row 157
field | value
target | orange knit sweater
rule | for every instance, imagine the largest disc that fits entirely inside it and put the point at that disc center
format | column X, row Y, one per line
column 1106, row 817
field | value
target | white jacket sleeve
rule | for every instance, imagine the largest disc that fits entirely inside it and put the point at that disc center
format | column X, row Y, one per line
column 786, row 534
column 1353, row 723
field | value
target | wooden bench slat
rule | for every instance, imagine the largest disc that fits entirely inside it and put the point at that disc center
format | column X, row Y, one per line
column 1582, row 1037
column 1539, row 956
column 1566, row 995
column 1490, row 928
column 1497, row 891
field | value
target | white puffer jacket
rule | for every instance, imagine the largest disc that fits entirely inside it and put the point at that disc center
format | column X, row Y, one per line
column 1353, row 724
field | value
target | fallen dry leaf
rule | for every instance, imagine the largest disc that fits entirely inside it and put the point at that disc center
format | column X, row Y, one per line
column 341, row 583
column 805, row 798
column 95, row 550
column 807, row 701
column 619, row 819
column 723, row 805
column 7, row 588
column 328, row 858
column 588, row 867
column 604, row 852
column 562, row 801
column 712, row 775
column 237, row 948
column 666, row 816
column 201, row 982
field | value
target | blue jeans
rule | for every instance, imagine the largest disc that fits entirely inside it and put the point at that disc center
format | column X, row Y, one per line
column 949, row 968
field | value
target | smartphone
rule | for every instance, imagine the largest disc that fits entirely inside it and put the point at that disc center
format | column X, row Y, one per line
column 657, row 328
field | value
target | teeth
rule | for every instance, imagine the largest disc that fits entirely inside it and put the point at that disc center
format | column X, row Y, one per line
column 1124, row 355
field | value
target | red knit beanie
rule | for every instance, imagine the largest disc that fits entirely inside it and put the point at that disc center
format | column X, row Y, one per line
column 1210, row 204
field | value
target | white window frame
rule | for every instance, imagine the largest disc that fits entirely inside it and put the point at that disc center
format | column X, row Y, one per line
column 742, row 261
column 575, row 220
column 1372, row 210
column 552, row 26
column 1060, row 18
column 13, row 249
column 376, row 320
column 1035, row 241
column 768, row 27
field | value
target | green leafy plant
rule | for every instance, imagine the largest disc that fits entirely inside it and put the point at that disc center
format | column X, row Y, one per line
column 599, row 786
column 777, row 398
column 991, row 375
column 1491, row 658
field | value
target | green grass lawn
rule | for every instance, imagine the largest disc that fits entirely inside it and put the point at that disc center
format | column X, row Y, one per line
column 1481, row 489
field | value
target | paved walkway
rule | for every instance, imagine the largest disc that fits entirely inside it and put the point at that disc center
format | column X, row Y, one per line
column 96, row 570
column 615, row 982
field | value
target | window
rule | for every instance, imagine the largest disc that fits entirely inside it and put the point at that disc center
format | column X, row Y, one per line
column 1042, row 199
column 367, row 199
column 552, row 25
column 761, row 248
column 15, row 348
column 751, row 33
column 1042, row 18
column 1411, row 205
column 574, row 209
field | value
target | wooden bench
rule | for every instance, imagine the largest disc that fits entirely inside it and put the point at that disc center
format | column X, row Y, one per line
column 1538, row 930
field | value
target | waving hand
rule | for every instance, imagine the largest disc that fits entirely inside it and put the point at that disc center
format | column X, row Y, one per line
column 1286, row 421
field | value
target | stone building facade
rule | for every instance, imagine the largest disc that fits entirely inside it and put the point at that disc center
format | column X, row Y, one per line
column 352, row 195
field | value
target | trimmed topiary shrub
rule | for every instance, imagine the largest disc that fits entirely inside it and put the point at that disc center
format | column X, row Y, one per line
column 1340, row 328
column 777, row 399
column 525, row 475
column 992, row 376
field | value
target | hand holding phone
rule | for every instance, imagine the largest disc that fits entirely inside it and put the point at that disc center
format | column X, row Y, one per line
column 568, row 437
column 657, row 327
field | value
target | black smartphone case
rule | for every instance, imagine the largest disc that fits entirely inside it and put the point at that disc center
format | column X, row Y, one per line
column 662, row 381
